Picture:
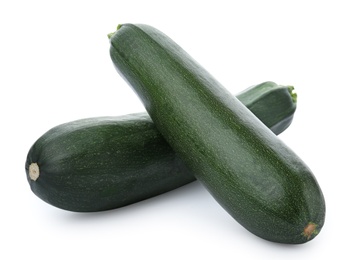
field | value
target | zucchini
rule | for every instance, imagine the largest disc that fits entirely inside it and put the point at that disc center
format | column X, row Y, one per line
column 255, row 96
column 107, row 162
column 256, row 178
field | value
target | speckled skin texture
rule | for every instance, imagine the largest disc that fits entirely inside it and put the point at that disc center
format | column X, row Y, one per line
column 104, row 163
column 264, row 185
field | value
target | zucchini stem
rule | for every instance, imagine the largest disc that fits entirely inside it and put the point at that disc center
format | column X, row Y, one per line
column 293, row 93
column 117, row 28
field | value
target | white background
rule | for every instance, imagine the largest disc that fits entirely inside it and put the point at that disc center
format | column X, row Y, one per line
column 55, row 67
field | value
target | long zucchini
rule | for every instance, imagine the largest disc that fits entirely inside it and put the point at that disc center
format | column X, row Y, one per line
column 256, row 178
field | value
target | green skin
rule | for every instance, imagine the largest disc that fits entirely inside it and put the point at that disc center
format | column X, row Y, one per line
column 254, row 176
column 108, row 162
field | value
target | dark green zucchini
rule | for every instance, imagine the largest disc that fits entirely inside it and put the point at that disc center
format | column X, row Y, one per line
column 263, row 184
column 108, row 162
column 254, row 97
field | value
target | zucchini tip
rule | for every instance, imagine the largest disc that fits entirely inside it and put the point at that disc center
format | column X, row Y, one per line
column 310, row 230
column 34, row 171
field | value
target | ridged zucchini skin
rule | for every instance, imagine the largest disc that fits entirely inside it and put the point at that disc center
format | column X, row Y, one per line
column 104, row 163
column 256, row 178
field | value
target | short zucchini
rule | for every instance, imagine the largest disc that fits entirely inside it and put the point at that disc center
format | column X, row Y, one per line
column 107, row 162
column 259, row 180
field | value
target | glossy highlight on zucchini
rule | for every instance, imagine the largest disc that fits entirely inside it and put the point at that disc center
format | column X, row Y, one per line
column 254, row 176
column 105, row 163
